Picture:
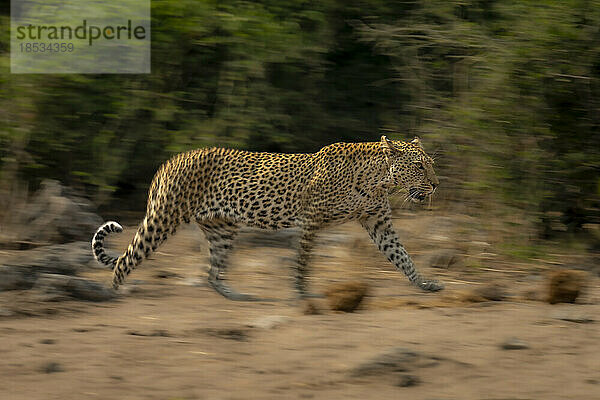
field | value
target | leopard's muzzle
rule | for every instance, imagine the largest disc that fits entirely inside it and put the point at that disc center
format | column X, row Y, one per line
column 416, row 195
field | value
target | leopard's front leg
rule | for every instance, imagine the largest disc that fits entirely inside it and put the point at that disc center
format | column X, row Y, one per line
column 380, row 229
column 306, row 243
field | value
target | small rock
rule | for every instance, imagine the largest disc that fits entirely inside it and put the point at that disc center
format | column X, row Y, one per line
column 155, row 332
column 166, row 275
column 346, row 296
column 269, row 322
column 444, row 258
column 514, row 344
column 394, row 361
column 565, row 286
column 237, row 334
column 408, row 380
column 51, row 367
column 573, row 317
column 397, row 360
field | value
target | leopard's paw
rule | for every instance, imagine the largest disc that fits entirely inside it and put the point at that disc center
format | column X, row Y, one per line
column 430, row 285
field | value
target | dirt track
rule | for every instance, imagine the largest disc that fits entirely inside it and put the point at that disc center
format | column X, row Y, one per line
column 171, row 337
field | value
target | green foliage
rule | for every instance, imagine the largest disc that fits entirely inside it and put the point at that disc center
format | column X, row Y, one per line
column 507, row 91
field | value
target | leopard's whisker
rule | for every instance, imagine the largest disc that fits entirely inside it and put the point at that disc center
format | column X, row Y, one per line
column 404, row 202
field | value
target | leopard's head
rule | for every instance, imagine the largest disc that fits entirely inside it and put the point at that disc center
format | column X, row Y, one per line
column 410, row 167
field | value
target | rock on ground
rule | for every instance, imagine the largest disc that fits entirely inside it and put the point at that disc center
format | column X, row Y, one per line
column 565, row 286
column 52, row 287
column 444, row 258
column 346, row 296
column 72, row 287
column 22, row 270
column 572, row 313
column 66, row 259
column 55, row 214
column 406, row 380
column 16, row 278
column 51, row 367
column 235, row 334
column 395, row 361
column 514, row 344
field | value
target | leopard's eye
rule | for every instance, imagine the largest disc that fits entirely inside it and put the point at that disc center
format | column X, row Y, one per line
column 419, row 165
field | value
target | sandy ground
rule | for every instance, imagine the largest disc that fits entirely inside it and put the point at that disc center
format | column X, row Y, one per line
column 169, row 336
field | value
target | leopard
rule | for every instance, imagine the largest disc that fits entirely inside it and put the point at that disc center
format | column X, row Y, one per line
column 223, row 189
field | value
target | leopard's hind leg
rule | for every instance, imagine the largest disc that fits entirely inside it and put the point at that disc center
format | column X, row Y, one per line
column 220, row 234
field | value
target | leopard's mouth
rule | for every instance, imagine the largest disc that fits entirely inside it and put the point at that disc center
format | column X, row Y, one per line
column 416, row 195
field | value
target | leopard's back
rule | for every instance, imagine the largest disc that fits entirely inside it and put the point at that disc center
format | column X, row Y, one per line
column 257, row 189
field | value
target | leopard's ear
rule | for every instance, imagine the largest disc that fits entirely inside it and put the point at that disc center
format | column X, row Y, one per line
column 387, row 145
column 417, row 142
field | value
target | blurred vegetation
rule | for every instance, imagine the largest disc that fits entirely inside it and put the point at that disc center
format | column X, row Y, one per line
column 506, row 92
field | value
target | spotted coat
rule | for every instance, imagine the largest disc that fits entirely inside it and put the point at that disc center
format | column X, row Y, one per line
column 223, row 188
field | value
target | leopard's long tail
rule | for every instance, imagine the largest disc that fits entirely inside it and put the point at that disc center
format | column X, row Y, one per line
column 150, row 234
column 148, row 237
column 98, row 243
